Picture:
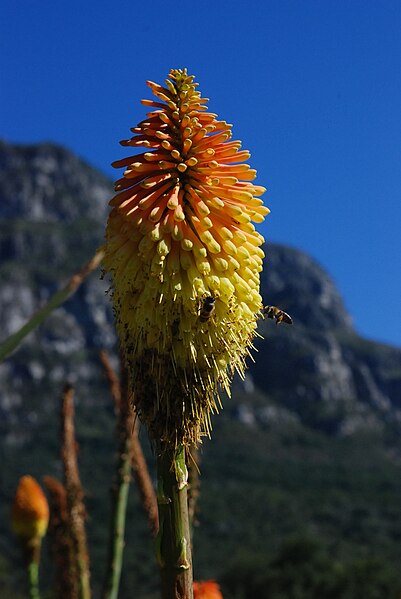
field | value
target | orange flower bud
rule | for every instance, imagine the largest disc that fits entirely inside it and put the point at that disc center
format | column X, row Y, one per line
column 208, row 589
column 30, row 510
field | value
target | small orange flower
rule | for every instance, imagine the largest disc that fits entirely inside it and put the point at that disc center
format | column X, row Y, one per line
column 185, row 260
column 30, row 510
column 208, row 589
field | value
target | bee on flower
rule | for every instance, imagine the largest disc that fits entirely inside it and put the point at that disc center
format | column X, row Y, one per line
column 207, row 308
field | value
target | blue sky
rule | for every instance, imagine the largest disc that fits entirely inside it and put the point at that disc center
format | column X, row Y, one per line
column 313, row 89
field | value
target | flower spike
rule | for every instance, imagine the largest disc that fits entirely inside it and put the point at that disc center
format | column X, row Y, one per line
column 184, row 260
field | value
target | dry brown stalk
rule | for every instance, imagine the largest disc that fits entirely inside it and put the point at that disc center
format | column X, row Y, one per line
column 14, row 340
column 61, row 546
column 113, row 380
column 139, row 466
column 144, row 482
column 75, row 494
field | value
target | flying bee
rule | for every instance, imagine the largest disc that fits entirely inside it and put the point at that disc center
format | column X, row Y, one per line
column 277, row 314
column 207, row 308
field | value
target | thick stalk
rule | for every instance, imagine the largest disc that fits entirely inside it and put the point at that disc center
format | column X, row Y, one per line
column 173, row 540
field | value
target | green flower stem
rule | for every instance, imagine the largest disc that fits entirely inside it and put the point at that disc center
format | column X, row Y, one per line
column 84, row 584
column 117, row 540
column 31, row 556
column 120, row 497
column 33, row 579
column 12, row 342
column 173, row 540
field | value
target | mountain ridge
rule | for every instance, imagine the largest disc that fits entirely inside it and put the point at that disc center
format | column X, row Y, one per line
column 53, row 208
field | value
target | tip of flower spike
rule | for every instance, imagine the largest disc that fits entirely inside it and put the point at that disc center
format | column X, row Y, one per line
column 181, row 74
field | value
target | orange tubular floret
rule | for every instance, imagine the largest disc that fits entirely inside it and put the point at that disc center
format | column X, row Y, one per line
column 157, row 212
column 148, row 182
column 198, row 204
column 229, row 147
column 124, row 183
column 155, row 156
column 174, row 198
column 148, row 199
column 124, row 162
column 140, row 140
column 233, row 157
column 153, row 103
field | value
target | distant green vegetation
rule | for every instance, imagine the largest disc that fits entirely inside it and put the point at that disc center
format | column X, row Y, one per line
column 303, row 569
column 285, row 513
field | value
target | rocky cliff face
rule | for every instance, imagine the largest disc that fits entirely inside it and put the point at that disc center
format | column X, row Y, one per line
column 320, row 368
column 52, row 213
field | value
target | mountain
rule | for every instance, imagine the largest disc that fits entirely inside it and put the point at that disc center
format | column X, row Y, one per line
column 52, row 214
column 320, row 368
column 314, row 385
